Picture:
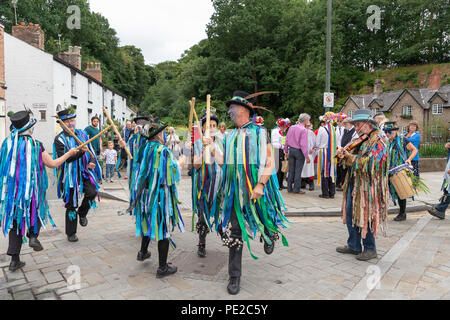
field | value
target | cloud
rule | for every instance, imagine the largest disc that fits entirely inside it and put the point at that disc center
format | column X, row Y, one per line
column 163, row 29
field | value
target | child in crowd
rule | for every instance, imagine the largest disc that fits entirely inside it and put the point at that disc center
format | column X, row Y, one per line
column 111, row 159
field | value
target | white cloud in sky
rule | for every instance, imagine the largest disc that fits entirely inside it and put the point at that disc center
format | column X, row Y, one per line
column 163, row 29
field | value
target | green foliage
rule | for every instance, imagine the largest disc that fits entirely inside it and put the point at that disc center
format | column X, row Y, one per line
column 433, row 150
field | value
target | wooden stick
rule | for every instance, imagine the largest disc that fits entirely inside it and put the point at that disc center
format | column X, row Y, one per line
column 116, row 131
column 93, row 138
column 65, row 128
column 207, row 131
column 199, row 125
column 191, row 118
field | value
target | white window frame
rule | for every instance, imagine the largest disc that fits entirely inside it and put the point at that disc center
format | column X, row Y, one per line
column 437, row 109
column 436, row 131
column 89, row 90
column 408, row 110
column 73, row 83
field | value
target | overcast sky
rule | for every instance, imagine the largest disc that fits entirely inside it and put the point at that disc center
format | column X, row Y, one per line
column 163, row 29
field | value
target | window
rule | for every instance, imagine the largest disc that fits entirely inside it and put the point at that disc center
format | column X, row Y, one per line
column 90, row 91
column 437, row 109
column 351, row 113
column 407, row 111
column 436, row 131
column 43, row 114
column 73, row 83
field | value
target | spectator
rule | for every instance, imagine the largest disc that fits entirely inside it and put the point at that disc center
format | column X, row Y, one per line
column 296, row 150
column 97, row 144
column 127, row 132
column 222, row 131
column 413, row 136
column 173, row 142
column 111, row 159
column 308, row 168
column 340, row 129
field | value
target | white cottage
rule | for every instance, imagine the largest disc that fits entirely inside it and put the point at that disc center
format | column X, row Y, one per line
column 43, row 82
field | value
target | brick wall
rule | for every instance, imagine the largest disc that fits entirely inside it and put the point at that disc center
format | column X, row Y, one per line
column 417, row 112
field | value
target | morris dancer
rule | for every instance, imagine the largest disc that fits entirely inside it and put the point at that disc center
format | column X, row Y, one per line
column 206, row 185
column 251, row 192
column 78, row 175
column 399, row 147
column 23, row 186
column 326, row 163
column 278, row 137
column 365, row 201
column 154, row 195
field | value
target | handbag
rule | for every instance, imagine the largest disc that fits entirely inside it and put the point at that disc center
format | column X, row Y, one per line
column 285, row 166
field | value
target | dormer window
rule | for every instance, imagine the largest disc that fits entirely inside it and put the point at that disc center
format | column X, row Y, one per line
column 437, row 109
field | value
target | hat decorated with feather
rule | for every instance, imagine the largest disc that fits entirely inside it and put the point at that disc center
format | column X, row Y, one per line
column 246, row 100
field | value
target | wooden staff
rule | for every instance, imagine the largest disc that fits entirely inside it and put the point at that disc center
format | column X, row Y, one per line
column 65, row 128
column 199, row 125
column 207, row 131
column 93, row 138
column 191, row 118
column 116, row 131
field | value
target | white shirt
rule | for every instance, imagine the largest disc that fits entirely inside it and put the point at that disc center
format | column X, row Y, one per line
column 276, row 138
column 322, row 138
column 339, row 133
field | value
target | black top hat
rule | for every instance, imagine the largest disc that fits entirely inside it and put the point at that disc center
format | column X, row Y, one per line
column 22, row 121
column 239, row 99
column 155, row 126
column 390, row 126
column 66, row 114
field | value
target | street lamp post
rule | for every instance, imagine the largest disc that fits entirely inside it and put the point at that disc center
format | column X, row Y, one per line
column 328, row 59
column 14, row 3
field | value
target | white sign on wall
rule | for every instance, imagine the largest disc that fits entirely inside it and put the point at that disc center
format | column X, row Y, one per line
column 40, row 105
column 328, row 100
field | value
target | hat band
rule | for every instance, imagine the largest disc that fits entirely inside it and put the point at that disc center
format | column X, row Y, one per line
column 27, row 126
column 66, row 117
column 240, row 99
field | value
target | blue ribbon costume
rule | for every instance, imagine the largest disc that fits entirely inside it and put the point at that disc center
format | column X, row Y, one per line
column 154, row 192
column 23, row 184
column 70, row 175
column 245, row 161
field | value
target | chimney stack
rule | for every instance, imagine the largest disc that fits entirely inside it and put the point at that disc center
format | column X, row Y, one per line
column 435, row 80
column 94, row 70
column 73, row 56
column 378, row 87
column 31, row 34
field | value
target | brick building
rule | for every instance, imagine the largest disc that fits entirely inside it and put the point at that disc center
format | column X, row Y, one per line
column 429, row 107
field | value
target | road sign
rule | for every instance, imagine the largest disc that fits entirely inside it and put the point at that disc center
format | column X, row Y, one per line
column 328, row 100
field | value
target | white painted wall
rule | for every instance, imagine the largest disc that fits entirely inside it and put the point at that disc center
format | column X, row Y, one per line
column 34, row 78
column 28, row 73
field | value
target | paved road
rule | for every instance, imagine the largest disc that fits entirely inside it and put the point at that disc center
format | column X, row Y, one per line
column 414, row 263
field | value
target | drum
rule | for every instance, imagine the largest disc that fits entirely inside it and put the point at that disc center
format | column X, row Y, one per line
column 402, row 182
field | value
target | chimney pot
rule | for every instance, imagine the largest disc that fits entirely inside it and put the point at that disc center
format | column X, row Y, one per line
column 22, row 23
column 378, row 87
column 31, row 34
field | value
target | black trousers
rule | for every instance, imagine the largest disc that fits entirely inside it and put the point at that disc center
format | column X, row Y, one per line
column 341, row 172
column 328, row 187
column 402, row 205
column 235, row 254
column 89, row 194
column 15, row 240
column 163, row 249
column 296, row 163
column 203, row 226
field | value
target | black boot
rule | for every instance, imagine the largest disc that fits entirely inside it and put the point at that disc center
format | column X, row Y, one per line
column 167, row 270
column 15, row 264
column 72, row 238
column 143, row 254
column 400, row 217
column 268, row 248
column 201, row 252
column 311, row 185
column 234, row 285
column 35, row 244
column 83, row 221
